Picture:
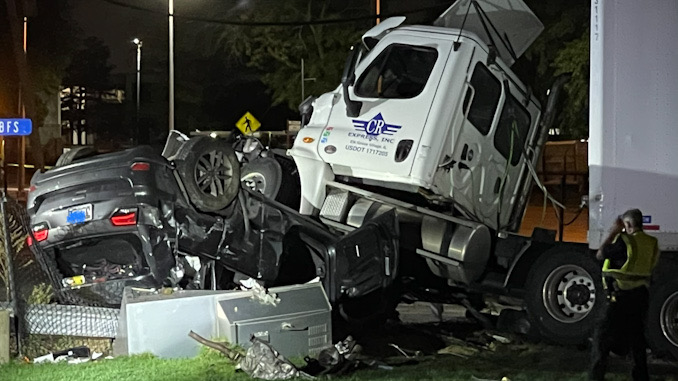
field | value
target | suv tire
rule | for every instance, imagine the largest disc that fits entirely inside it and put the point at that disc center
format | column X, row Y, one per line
column 210, row 173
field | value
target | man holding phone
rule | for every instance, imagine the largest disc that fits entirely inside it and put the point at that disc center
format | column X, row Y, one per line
column 629, row 256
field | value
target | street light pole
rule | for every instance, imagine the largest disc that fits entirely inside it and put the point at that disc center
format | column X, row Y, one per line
column 303, row 80
column 171, row 65
column 22, row 140
column 138, row 43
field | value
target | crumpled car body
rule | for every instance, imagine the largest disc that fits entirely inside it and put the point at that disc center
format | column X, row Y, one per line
column 125, row 218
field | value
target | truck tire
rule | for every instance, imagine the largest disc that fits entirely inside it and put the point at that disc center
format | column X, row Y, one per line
column 662, row 319
column 564, row 295
column 73, row 154
column 290, row 186
column 263, row 175
column 210, row 171
column 275, row 177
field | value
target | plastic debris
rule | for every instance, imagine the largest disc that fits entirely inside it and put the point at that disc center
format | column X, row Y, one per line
column 259, row 293
column 501, row 339
column 406, row 352
column 74, row 355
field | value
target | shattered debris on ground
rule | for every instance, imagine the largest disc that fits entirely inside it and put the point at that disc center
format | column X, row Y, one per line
column 74, row 355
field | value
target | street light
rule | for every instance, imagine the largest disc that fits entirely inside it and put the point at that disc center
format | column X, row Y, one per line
column 138, row 43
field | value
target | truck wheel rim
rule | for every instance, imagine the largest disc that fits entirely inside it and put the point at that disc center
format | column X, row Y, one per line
column 213, row 173
column 669, row 318
column 569, row 293
column 255, row 181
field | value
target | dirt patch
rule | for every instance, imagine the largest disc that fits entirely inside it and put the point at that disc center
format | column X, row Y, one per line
column 459, row 343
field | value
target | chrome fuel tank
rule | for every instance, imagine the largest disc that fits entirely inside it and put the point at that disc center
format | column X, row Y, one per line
column 464, row 249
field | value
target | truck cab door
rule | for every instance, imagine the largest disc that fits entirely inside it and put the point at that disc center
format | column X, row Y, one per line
column 489, row 146
column 472, row 151
column 394, row 85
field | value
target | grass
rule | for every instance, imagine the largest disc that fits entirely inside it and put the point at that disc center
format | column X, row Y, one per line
column 210, row 366
column 519, row 361
column 525, row 362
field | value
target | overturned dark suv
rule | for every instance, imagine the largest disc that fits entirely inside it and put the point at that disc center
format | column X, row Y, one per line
column 181, row 218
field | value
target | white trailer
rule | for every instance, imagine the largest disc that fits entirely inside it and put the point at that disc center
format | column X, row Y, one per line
column 633, row 134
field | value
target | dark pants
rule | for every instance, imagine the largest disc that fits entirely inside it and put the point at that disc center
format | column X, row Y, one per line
column 622, row 326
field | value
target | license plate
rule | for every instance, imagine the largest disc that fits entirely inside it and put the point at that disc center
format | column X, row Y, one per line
column 79, row 214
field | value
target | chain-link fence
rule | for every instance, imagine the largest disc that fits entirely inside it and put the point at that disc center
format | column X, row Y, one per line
column 46, row 315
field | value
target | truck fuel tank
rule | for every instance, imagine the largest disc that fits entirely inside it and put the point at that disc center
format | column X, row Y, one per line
column 456, row 252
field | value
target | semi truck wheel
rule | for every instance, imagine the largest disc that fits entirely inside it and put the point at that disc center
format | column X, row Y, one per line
column 563, row 295
column 210, row 171
column 263, row 175
column 662, row 319
column 275, row 177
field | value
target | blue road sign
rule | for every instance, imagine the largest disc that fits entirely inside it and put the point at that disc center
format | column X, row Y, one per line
column 16, row 127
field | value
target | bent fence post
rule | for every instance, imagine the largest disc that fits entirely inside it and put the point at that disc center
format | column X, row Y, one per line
column 9, row 253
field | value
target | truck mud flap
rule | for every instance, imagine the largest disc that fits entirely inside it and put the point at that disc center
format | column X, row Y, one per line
column 367, row 258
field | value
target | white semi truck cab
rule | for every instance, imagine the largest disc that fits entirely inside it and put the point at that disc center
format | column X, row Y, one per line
column 433, row 109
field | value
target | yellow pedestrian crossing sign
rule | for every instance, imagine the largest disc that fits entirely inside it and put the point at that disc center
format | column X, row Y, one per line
column 248, row 124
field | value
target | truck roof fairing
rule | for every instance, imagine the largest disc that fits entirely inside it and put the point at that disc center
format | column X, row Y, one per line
column 510, row 23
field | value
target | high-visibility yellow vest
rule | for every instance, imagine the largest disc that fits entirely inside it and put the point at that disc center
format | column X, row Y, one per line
column 642, row 252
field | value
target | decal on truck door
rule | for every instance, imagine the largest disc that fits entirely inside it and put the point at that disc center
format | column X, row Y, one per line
column 372, row 136
column 375, row 127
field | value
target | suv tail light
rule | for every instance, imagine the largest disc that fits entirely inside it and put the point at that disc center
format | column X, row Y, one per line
column 40, row 232
column 124, row 217
column 141, row 166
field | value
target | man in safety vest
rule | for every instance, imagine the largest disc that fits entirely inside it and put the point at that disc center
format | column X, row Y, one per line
column 629, row 257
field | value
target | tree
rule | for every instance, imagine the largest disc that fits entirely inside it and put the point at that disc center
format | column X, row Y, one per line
column 276, row 51
column 563, row 47
column 86, row 84
column 52, row 39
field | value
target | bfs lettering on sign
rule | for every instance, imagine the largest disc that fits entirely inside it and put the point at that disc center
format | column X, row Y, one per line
column 16, row 127
column 10, row 127
column 375, row 126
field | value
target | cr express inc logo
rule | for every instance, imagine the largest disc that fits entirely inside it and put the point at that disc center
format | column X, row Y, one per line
column 375, row 126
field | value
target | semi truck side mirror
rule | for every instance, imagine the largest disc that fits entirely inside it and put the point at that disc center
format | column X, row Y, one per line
column 306, row 110
column 491, row 56
column 348, row 79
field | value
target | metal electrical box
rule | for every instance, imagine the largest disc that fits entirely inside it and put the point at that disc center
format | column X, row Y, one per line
column 298, row 325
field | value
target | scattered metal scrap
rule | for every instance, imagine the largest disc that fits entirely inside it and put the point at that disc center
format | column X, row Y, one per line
column 74, row 355
column 260, row 360
column 473, row 345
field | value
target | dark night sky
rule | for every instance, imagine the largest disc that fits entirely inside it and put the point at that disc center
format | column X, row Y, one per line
column 117, row 25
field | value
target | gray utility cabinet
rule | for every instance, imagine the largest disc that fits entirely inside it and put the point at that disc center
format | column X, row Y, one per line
column 299, row 325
